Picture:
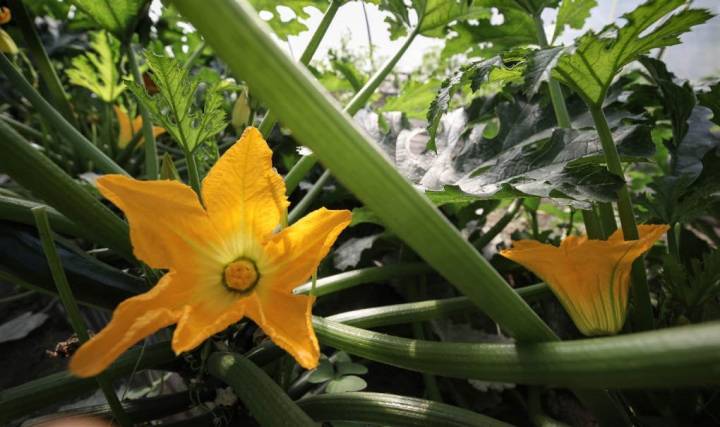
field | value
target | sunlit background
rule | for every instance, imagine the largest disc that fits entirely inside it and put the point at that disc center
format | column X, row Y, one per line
column 697, row 57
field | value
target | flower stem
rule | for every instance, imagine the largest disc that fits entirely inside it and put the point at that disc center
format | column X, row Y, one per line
column 71, row 307
column 151, row 157
column 42, row 62
column 193, row 173
column 269, row 120
column 642, row 315
column 57, row 121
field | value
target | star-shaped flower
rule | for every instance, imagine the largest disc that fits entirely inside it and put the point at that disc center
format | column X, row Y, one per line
column 226, row 260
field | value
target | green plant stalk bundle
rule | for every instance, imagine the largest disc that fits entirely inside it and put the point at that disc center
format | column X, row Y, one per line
column 57, row 121
column 71, row 307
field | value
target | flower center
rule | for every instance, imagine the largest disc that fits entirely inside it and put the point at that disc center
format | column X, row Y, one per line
column 241, row 275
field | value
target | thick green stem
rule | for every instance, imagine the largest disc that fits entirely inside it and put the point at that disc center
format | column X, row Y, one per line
column 349, row 279
column 642, row 314
column 391, row 409
column 269, row 120
column 267, row 402
column 607, row 219
column 71, row 307
column 668, row 358
column 592, row 224
column 556, row 95
column 151, row 156
column 72, row 135
column 303, row 166
column 42, row 62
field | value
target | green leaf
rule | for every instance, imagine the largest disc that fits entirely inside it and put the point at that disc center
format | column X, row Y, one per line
column 97, row 69
column 345, row 384
column 439, row 13
column 597, row 58
column 350, row 368
column 694, row 285
column 174, row 105
column 293, row 26
column 324, row 372
column 572, row 13
column 117, row 16
column 540, row 65
column 475, row 74
column 487, row 38
column 413, row 99
column 534, row 7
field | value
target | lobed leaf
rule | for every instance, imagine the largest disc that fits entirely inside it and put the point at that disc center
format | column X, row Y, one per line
column 294, row 25
column 174, row 104
column 97, row 69
column 117, row 16
column 597, row 58
column 573, row 14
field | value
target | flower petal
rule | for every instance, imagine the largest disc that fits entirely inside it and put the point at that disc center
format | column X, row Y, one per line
column 168, row 226
column 287, row 320
column 292, row 255
column 242, row 192
column 133, row 320
column 125, row 131
column 211, row 312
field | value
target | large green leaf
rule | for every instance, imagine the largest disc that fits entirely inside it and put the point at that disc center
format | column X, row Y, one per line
column 292, row 26
column 572, row 13
column 439, row 13
column 174, row 105
column 526, row 157
column 97, row 69
column 590, row 68
column 117, row 16
column 485, row 38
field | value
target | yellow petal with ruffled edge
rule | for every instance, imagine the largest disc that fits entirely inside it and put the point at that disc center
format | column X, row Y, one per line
column 128, row 129
column 591, row 278
column 242, row 192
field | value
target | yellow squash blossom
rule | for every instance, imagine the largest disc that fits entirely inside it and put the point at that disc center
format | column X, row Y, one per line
column 591, row 278
column 7, row 44
column 128, row 128
column 226, row 260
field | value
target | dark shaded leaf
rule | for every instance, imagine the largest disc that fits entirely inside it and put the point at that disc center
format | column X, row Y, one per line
column 540, row 65
column 349, row 253
column 711, row 100
column 21, row 326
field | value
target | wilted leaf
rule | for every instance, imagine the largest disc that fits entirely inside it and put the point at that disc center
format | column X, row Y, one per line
column 597, row 58
column 117, row 16
column 97, row 69
column 572, row 13
column 174, row 105
column 21, row 326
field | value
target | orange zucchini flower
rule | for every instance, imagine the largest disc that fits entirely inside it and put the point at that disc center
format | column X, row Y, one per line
column 591, row 278
column 226, row 260
column 128, row 128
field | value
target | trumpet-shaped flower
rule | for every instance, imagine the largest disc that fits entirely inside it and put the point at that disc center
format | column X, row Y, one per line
column 128, row 128
column 591, row 278
column 7, row 44
column 226, row 260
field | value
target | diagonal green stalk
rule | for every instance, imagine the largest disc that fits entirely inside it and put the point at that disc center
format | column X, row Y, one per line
column 35, row 172
column 499, row 226
column 303, row 166
column 357, row 162
column 268, row 122
column 42, row 61
column 267, row 402
column 642, row 314
column 71, row 307
column 71, row 135
column 151, row 156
